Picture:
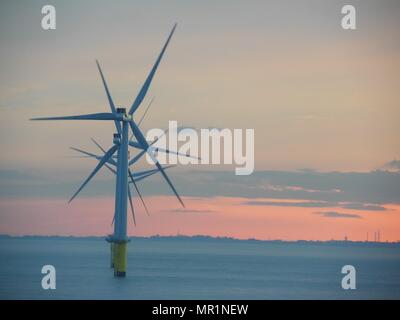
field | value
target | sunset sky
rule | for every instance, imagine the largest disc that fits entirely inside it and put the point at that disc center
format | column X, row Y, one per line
column 324, row 103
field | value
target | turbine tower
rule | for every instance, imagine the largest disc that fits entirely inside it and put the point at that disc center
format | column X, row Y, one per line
column 124, row 123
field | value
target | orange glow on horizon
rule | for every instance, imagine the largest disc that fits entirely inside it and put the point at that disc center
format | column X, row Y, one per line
column 219, row 216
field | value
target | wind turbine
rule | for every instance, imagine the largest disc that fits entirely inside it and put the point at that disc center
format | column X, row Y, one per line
column 124, row 121
column 134, row 178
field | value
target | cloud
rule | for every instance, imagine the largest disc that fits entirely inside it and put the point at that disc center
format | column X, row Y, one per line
column 368, row 191
column 297, row 188
column 301, row 204
column 316, row 204
column 334, row 214
column 363, row 206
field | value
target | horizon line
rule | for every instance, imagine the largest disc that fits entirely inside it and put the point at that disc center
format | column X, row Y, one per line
column 204, row 236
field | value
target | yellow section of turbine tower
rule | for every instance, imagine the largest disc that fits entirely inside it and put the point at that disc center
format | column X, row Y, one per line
column 119, row 254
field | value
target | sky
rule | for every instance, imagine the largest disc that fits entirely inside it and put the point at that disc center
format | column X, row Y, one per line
column 323, row 102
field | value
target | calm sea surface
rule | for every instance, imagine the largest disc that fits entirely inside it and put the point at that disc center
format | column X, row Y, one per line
column 184, row 268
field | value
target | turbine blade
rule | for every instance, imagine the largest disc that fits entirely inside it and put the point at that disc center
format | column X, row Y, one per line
column 147, row 109
column 111, row 169
column 93, row 116
column 76, row 157
column 110, row 100
column 165, row 176
column 137, row 145
column 84, row 152
column 131, row 204
column 91, row 155
column 137, row 157
column 151, row 172
column 141, row 173
column 132, row 136
column 146, row 85
column 110, row 161
column 174, row 152
column 137, row 190
column 141, row 139
column 98, row 145
column 140, row 154
column 105, row 158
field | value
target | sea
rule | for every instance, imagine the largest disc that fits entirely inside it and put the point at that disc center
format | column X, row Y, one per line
column 198, row 268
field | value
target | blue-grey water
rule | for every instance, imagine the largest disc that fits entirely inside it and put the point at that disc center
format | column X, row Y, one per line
column 185, row 268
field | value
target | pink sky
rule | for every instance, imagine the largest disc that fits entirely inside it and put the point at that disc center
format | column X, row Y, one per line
column 220, row 216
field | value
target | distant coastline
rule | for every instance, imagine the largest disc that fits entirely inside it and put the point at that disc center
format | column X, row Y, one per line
column 209, row 238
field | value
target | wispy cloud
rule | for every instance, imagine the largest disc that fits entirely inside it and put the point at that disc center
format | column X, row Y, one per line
column 363, row 206
column 334, row 214
column 302, row 204
column 316, row 204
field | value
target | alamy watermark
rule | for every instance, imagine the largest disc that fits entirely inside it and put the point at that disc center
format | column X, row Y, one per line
column 49, row 280
column 348, row 21
column 349, row 280
column 204, row 146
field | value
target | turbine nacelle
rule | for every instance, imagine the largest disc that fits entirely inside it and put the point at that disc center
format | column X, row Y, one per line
column 125, row 116
column 117, row 138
